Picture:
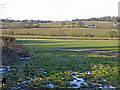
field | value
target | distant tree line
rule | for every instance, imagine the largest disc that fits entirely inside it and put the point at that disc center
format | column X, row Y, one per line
column 106, row 18
column 17, row 24
column 26, row 21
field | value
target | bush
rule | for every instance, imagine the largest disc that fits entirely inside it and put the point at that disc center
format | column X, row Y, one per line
column 111, row 33
column 87, row 35
column 11, row 53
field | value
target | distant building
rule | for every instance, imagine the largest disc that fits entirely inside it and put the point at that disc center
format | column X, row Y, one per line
column 92, row 26
column 115, row 25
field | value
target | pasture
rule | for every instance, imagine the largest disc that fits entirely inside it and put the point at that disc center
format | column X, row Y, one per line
column 60, row 37
column 60, row 64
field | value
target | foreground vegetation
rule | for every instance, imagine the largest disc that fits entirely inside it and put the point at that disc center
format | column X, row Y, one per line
column 57, row 67
column 49, row 65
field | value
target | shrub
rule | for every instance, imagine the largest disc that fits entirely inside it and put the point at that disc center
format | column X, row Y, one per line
column 11, row 53
column 87, row 35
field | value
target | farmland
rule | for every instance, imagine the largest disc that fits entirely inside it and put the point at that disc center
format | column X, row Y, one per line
column 79, row 32
column 65, row 56
column 100, row 24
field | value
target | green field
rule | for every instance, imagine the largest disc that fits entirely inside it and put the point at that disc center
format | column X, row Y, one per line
column 50, row 63
column 60, row 37
column 104, row 44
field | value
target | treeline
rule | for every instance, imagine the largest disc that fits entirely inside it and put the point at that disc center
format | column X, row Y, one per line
column 106, row 18
column 26, row 21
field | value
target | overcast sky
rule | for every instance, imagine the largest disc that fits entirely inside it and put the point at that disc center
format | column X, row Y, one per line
column 57, row 9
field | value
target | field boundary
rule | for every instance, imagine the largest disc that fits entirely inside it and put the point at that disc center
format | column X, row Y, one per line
column 27, row 38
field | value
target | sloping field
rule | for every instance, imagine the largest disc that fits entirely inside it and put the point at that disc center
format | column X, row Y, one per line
column 101, row 24
column 61, row 31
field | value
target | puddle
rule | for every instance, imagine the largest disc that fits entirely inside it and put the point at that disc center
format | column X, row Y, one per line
column 77, row 82
column 26, row 58
column 50, row 85
column 14, row 88
column 5, row 69
column 26, row 81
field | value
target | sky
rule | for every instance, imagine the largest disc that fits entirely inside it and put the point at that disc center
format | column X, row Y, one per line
column 57, row 9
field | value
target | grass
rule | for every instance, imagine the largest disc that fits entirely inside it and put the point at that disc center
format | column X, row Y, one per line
column 61, row 64
column 103, row 47
column 76, row 44
column 59, row 37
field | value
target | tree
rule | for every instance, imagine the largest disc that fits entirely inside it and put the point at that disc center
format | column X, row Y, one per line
column 38, row 25
column 118, row 20
column 73, row 24
column 30, row 25
column 111, row 34
column 63, row 24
